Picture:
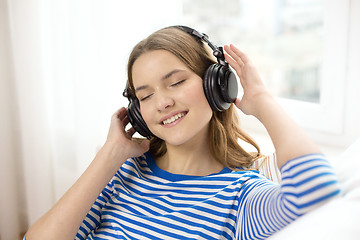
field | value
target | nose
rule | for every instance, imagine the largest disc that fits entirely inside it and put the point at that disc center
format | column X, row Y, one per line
column 164, row 101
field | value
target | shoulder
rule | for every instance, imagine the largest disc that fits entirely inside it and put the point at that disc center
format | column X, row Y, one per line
column 142, row 168
column 246, row 177
column 135, row 164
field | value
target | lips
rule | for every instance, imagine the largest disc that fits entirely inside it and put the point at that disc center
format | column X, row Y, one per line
column 171, row 118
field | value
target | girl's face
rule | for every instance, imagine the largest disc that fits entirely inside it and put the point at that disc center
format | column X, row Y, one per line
column 172, row 99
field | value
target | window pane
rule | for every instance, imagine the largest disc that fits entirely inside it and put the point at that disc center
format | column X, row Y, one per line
column 283, row 37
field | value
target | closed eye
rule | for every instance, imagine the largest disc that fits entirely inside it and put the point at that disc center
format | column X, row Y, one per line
column 177, row 83
column 145, row 97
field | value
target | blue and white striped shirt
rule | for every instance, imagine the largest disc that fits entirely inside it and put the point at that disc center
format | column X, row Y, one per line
column 143, row 201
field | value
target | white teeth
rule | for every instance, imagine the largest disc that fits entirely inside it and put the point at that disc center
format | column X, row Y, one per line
column 173, row 118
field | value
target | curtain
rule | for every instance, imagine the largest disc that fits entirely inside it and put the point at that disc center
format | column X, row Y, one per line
column 63, row 70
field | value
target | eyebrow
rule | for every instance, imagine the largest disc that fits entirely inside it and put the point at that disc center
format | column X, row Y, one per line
column 166, row 76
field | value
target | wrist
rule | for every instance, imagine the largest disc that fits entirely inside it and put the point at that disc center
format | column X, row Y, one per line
column 113, row 154
column 263, row 103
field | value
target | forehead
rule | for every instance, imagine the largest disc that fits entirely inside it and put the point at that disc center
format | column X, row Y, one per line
column 153, row 65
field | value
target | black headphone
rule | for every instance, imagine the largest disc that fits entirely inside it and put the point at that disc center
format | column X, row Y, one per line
column 219, row 83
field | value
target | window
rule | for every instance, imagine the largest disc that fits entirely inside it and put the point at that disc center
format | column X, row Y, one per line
column 298, row 46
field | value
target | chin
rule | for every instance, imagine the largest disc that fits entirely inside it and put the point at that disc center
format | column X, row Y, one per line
column 175, row 140
column 185, row 134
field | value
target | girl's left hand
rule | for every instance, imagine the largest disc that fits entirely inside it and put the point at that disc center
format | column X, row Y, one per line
column 289, row 140
column 254, row 88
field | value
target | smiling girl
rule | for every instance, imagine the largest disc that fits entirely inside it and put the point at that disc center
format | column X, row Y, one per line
column 192, row 179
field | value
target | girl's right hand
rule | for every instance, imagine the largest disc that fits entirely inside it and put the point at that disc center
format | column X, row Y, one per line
column 120, row 141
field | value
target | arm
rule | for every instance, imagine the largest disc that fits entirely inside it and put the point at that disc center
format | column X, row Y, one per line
column 64, row 219
column 93, row 217
column 307, row 182
column 307, row 178
column 289, row 140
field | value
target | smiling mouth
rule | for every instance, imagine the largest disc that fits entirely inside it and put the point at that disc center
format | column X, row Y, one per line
column 173, row 118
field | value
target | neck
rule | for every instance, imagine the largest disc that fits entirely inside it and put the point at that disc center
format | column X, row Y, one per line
column 192, row 158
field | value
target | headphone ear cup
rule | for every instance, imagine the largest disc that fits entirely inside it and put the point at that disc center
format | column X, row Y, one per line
column 219, row 92
column 212, row 92
column 136, row 119
column 228, row 85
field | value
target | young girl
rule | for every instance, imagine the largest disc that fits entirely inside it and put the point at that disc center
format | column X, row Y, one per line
column 192, row 179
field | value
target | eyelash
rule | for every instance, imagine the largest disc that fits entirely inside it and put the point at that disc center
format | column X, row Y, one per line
column 177, row 83
column 172, row 85
column 144, row 98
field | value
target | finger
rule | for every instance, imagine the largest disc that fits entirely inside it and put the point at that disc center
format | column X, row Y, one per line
column 244, row 58
column 233, row 63
column 131, row 131
column 125, row 120
column 120, row 114
column 234, row 56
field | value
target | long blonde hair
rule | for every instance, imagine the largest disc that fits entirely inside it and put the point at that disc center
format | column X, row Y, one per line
column 224, row 129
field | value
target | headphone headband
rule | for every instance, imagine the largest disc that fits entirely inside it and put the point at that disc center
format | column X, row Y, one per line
column 218, row 52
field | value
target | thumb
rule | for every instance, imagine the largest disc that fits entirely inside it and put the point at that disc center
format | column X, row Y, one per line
column 237, row 102
column 145, row 145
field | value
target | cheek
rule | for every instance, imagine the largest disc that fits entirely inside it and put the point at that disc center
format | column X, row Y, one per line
column 146, row 113
column 196, row 95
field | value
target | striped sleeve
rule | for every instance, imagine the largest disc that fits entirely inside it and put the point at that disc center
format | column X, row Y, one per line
column 92, row 219
column 307, row 182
